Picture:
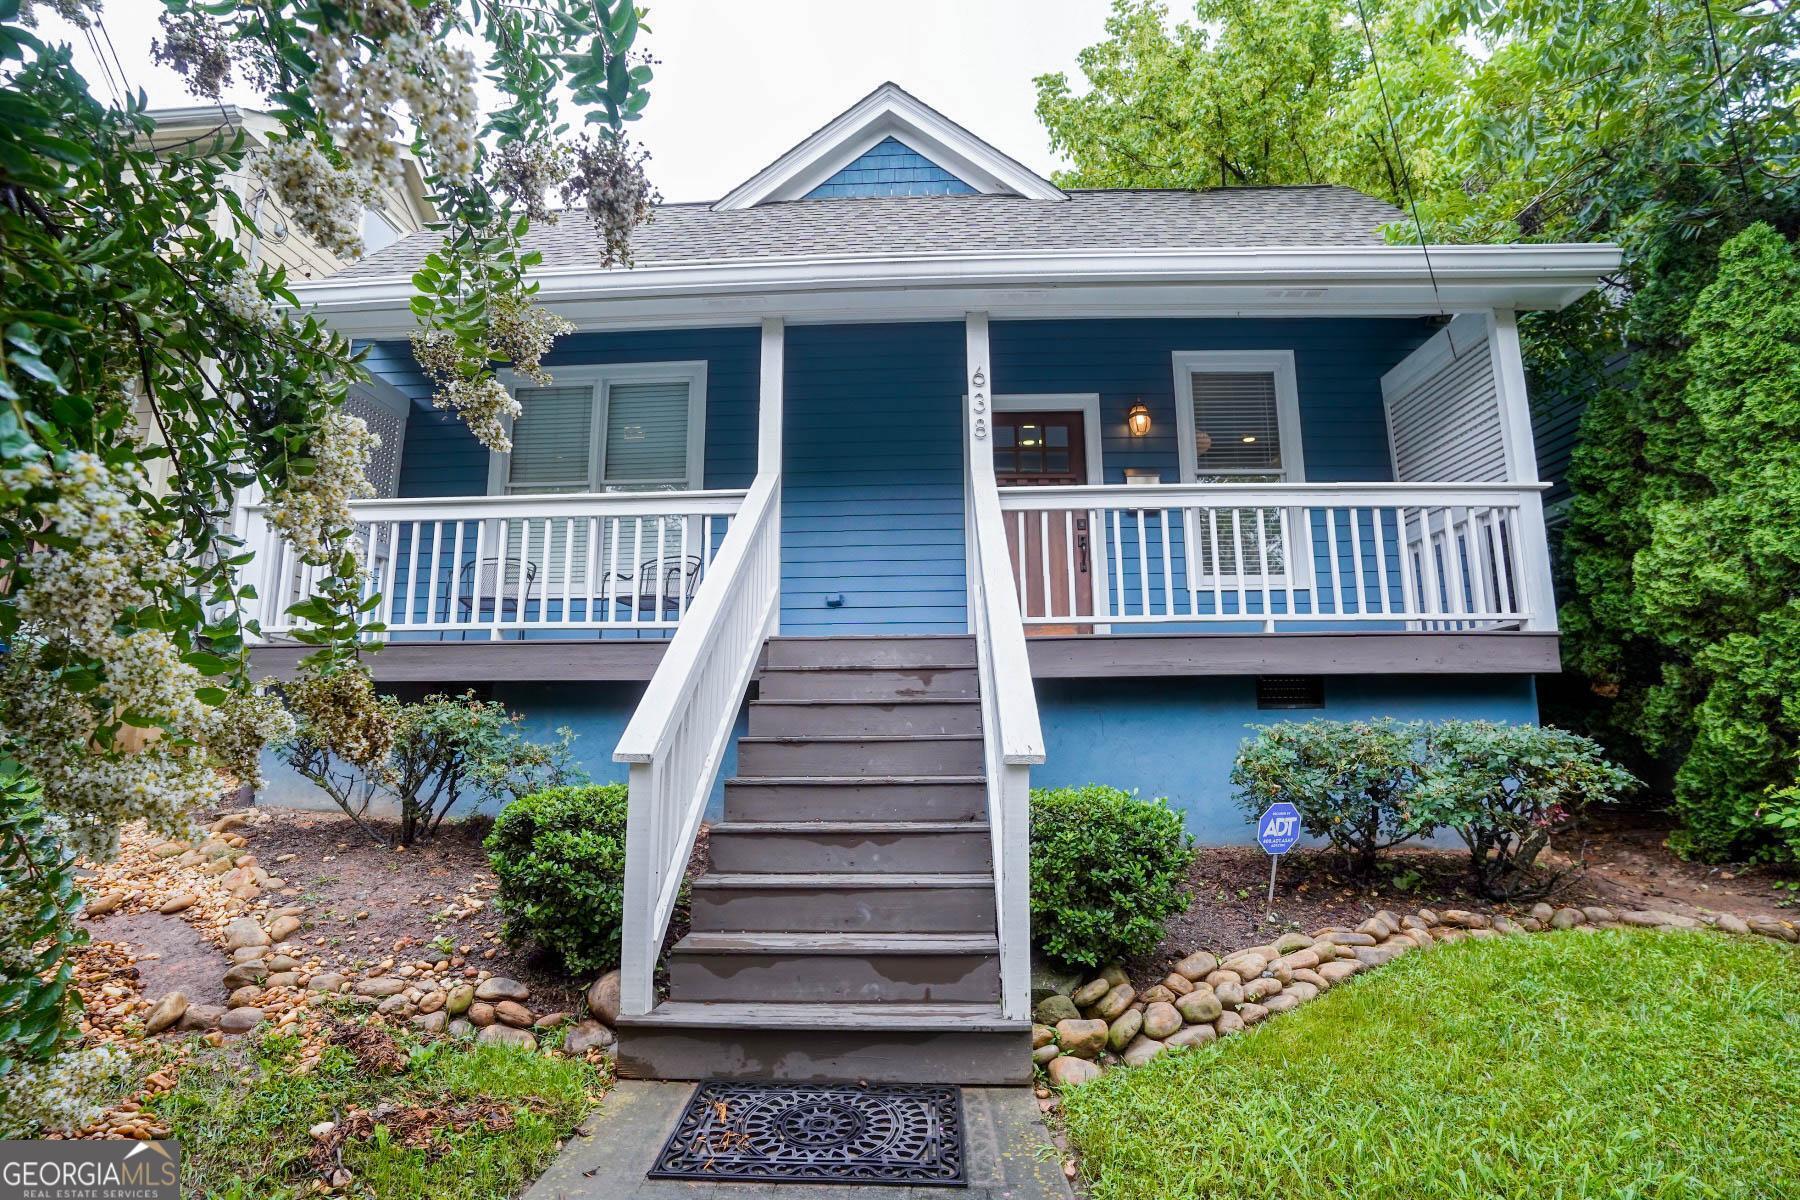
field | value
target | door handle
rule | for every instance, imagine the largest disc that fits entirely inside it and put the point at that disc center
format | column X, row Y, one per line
column 1081, row 544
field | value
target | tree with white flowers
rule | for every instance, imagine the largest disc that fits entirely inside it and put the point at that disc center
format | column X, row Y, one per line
column 125, row 692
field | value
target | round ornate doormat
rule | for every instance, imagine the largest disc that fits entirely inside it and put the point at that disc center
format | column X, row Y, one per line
column 903, row 1134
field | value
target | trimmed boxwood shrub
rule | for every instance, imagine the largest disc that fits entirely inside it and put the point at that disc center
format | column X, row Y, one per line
column 1106, row 872
column 560, row 858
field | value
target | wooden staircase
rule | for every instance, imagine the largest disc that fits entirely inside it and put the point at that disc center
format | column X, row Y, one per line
column 846, row 927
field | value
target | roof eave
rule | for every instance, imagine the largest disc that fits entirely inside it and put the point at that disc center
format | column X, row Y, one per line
column 1531, row 270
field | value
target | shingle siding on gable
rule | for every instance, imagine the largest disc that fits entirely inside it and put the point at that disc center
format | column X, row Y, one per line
column 891, row 168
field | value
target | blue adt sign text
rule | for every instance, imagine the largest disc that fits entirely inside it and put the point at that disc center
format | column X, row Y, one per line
column 1278, row 829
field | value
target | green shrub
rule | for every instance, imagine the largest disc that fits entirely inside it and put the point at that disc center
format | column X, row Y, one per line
column 1351, row 780
column 1106, row 872
column 560, row 858
column 1506, row 789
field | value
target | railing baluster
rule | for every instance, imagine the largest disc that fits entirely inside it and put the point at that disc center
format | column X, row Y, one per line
column 1331, row 556
column 1143, row 566
column 1381, row 568
column 1288, row 569
column 1069, row 576
column 1356, row 566
column 1168, row 568
column 1218, row 564
column 1044, row 561
column 1477, row 566
column 1237, row 561
column 1118, row 565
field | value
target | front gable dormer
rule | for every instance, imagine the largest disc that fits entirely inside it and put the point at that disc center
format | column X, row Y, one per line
column 889, row 143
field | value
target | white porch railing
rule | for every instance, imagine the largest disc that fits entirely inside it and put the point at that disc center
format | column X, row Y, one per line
column 1012, row 737
column 488, row 566
column 1451, row 556
column 679, row 731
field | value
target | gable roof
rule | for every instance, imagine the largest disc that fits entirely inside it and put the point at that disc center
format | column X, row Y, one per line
column 890, row 111
column 882, row 226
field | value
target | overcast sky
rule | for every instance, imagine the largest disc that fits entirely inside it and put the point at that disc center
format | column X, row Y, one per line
column 740, row 82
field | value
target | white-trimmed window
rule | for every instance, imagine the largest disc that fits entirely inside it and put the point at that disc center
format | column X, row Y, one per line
column 1237, row 413
column 616, row 427
column 1237, row 419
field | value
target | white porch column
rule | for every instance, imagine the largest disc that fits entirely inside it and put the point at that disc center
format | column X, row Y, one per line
column 979, row 396
column 1521, row 464
column 768, row 432
column 768, row 404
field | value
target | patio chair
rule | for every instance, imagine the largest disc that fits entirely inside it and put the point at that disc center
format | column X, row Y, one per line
column 479, row 579
column 678, row 577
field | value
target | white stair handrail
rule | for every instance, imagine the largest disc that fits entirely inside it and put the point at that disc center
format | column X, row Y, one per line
column 677, row 737
column 1012, row 736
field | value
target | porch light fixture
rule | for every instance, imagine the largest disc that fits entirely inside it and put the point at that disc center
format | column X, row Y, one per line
column 1138, row 420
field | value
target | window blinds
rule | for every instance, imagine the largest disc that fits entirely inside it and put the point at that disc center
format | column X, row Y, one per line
column 551, row 439
column 646, row 433
column 1237, row 426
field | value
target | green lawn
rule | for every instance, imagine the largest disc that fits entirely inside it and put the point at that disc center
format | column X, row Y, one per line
column 242, row 1119
column 1613, row 1064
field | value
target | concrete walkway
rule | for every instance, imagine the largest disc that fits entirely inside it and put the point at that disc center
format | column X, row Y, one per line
column 1008, row 1155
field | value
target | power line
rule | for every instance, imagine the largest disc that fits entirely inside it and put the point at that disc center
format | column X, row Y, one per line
column 1412, row 201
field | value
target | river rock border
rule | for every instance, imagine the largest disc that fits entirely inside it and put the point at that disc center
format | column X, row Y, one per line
column 1107, row 1021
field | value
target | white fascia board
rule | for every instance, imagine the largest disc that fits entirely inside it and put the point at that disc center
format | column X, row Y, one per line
column 888, row 111
column 1380, row 280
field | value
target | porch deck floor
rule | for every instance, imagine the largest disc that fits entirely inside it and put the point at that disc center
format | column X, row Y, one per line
column 1008, row 1148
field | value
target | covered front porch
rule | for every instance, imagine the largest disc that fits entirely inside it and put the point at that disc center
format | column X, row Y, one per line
column 1234, row 480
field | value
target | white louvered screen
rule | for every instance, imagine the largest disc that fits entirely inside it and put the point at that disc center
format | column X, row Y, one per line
column 1444, row 421
column 647, row 433
column 551, row 440
column 1237, row 427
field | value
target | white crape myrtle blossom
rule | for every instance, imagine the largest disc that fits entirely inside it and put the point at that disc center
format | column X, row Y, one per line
column 78, row 591
column 244, row 300
column 313, row 511
column 324, row 199
column 59, row 1095
column 527, row 170
column 483, row 402
column 358, row 90
column 64, row 739
column 243, row 725
column 523, row 333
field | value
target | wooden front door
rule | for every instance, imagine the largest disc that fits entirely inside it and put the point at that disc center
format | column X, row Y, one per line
column 1052, row 553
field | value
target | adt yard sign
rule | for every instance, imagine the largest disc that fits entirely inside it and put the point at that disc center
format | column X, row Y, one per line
column 1278, row 829
column 1277, row 832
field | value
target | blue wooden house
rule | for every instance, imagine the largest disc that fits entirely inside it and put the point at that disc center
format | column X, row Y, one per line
column 900, row 480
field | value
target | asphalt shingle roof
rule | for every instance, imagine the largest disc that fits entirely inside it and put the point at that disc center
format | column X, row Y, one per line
column 1223, row 218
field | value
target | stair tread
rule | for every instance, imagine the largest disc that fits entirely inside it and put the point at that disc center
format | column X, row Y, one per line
column 946, row 1015
column 900, row 701
column 908, row 669
column 811, row 738
column 849, row 780
column 847, row 827
column 968, row 638
column 829, row 879
column 859, row 944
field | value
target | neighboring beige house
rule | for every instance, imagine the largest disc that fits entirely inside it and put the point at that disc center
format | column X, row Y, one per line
column 402, row 210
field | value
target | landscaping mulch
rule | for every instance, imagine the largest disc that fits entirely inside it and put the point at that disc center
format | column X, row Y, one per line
column 1619, row 860
column 370, row 901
